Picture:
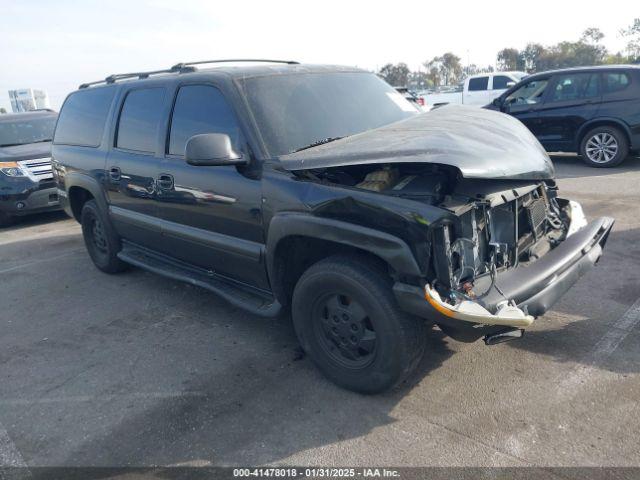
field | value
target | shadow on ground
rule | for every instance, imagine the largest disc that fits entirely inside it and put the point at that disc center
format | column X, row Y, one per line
column 609, row 284
column 572, row 166
column 136, row 369
column 35, row 220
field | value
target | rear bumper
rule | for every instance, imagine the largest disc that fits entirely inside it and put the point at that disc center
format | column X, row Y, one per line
column 534, row 288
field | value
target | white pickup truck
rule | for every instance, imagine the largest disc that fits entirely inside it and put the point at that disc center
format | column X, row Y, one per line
column 477, row 90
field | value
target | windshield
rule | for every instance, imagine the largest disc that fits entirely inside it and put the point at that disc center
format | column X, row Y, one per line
column 32, row 130
column 297, row 110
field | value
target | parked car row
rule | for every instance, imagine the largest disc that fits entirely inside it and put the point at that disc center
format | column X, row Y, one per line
column 320, row 189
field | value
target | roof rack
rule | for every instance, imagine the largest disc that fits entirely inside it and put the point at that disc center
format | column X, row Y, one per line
column 183, row 67
column 234, row 60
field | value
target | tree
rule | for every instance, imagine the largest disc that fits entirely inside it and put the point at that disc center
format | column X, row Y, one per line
column 592, row 35
column 395, row 75
column 444, row 70
column 633, row 45
column 510, row 59
column 531, row 55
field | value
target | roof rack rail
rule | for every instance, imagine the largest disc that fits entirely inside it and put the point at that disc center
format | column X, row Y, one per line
column 140, row 75
column 232, row 60
column 179, row 68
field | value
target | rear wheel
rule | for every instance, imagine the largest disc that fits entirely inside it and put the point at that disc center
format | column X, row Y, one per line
column 101, row 241
column 604, row 147
column 349, row 323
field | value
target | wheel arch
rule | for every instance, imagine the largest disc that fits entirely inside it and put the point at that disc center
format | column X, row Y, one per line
column 80, row 189
column 297, row 241
column 602, row 122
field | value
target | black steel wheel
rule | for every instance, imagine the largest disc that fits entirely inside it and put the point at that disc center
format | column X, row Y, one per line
column 349, row 323
column 100, row 239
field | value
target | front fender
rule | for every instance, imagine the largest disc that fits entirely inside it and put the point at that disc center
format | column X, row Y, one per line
column 391, row 249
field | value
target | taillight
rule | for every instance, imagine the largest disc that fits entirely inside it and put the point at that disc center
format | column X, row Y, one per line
column 421, row 101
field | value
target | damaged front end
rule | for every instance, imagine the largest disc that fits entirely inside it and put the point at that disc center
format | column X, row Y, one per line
column 501, row 246
column 508, row 256
column 500, row 254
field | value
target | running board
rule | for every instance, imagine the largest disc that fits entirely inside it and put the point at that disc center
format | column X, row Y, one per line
column 239, row 295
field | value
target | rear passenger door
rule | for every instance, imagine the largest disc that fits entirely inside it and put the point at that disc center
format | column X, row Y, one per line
column 477, row 91
column 572, row 100
column 133, row 165
column 211, row 214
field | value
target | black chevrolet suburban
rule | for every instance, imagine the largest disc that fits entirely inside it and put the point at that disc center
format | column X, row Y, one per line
column 593, row 111
column 321, row 191
column 26, row 182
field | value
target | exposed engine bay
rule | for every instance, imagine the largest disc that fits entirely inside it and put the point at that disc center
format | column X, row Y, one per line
column 499, row 224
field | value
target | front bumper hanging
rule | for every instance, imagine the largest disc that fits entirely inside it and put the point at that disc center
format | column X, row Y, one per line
column 525, row 292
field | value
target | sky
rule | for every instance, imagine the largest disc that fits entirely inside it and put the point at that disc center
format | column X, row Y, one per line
column 56, row 45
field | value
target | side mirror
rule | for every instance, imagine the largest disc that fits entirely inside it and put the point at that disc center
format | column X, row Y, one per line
column 497, row 102
column 211, row 149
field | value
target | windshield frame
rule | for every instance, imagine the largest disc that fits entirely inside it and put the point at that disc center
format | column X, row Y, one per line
column 268, row 147
column 17, row 141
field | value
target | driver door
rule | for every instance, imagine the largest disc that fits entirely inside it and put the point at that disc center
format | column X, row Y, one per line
column 525, row 103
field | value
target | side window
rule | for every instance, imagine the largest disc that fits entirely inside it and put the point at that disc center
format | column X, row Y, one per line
column 500, row 82
column 83, row 117
column 479, row 83
column 614, row 82
column 200, row 109
column 575, row 86
column 528, row 94
column 139, row 119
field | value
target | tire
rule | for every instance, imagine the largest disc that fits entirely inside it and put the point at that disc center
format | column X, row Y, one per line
column 349, row 323
column 102, row 243
column 6, row 219
column 604, row 147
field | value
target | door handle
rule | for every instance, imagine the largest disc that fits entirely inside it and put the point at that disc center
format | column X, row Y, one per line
column 165, row 181
column 115, row 173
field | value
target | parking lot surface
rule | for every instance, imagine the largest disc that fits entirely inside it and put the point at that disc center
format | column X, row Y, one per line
column 136, row 369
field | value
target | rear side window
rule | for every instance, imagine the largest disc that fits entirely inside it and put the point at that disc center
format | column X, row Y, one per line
column 139, row 119
column 83, row 117
column 500, row 82
column 614, row 82
column 480, row 83
column 576, row 86
column 200, row 109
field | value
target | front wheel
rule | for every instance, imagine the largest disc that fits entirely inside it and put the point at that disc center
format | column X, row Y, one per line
column 348, row 321
column 604, row 147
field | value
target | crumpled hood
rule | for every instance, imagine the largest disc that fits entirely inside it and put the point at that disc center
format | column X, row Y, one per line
column 25, row 152
column 479, row 142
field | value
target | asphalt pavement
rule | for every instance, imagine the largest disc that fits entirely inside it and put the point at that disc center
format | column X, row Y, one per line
column 136, row 369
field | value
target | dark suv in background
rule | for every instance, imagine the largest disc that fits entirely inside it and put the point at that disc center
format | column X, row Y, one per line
column 322, row 190
column 593, row 111
column 26, row 182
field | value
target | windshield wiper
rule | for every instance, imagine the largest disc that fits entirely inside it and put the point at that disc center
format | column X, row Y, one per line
column 11, row 144
column 42, row 140
column 318, row 142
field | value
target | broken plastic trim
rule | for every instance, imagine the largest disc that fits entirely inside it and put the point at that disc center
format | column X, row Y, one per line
column 469, row 311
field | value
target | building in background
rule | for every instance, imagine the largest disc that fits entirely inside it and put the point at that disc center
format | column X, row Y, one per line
column 26, row 99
